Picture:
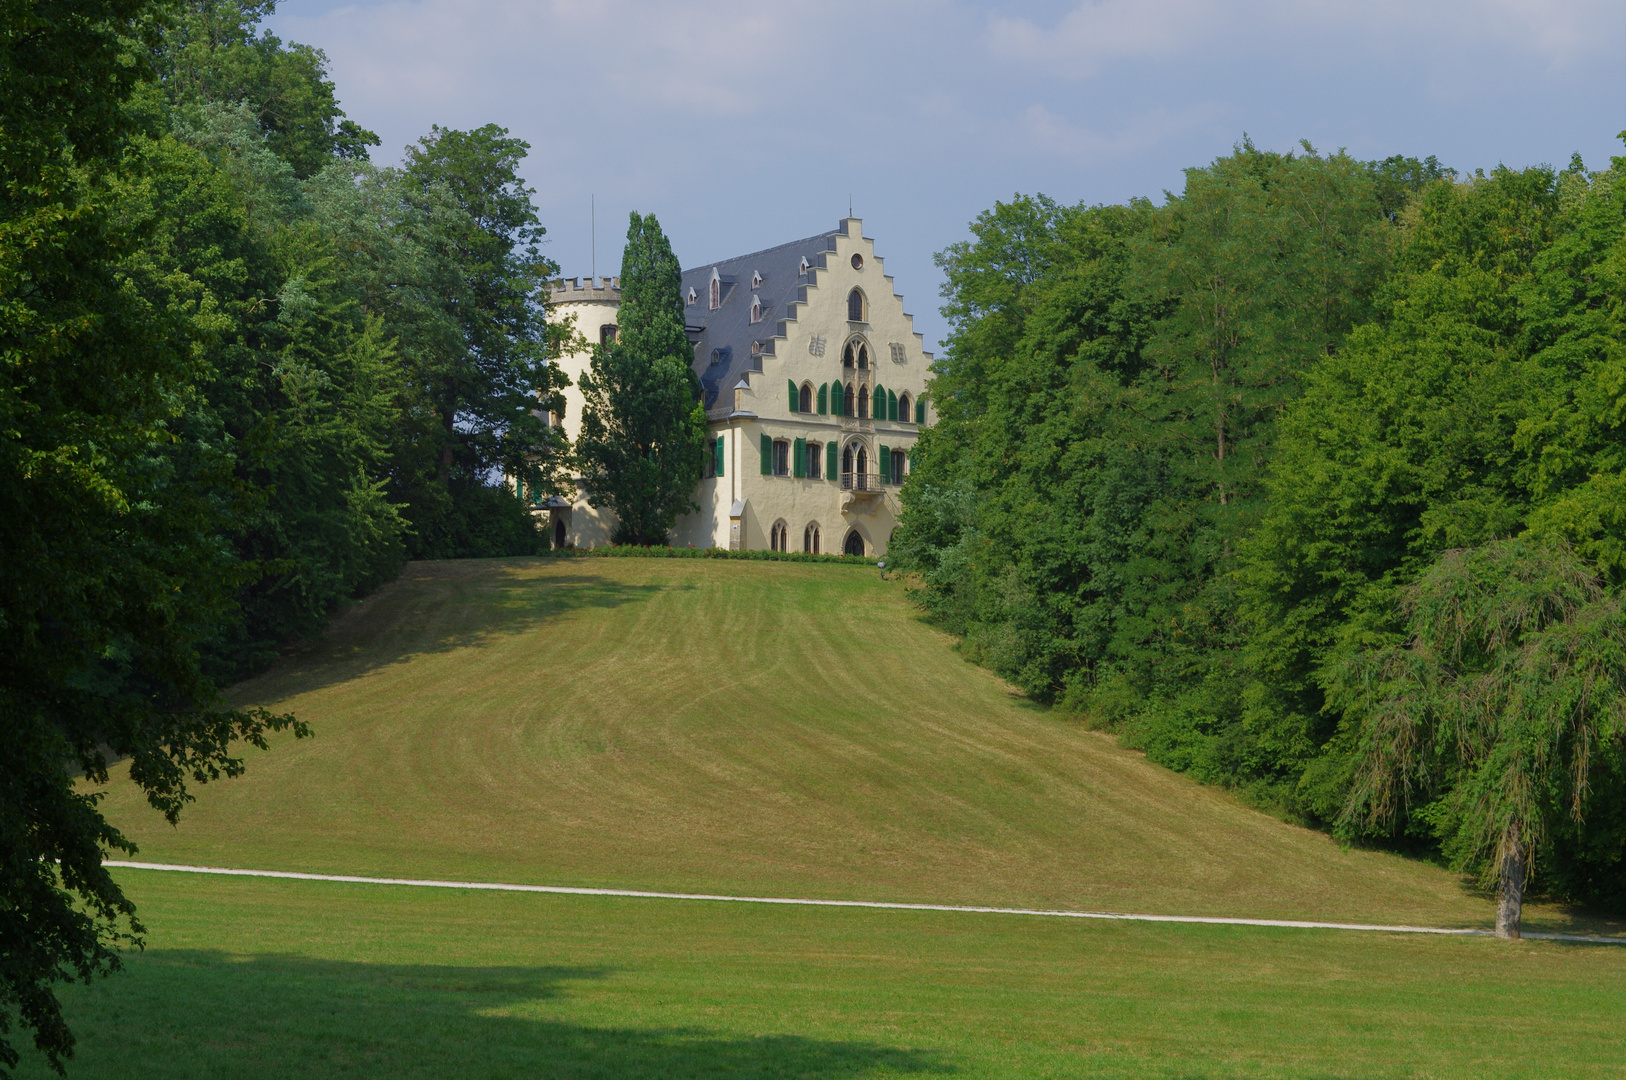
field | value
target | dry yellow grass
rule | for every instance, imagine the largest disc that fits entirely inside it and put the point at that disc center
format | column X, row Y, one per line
column 736, row 727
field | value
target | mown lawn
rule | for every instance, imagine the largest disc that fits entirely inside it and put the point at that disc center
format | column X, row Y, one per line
column 256, row 978
column 735, row 727
column 770, row 729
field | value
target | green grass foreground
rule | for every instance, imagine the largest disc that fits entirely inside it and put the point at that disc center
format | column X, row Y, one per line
column 770, row 729
column 250, row 979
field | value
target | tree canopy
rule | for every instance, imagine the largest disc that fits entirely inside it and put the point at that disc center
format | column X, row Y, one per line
column 1191, row 457
column 643, row 433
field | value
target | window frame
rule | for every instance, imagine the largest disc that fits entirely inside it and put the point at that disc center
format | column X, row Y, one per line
column 861, row 307
column 781, row 457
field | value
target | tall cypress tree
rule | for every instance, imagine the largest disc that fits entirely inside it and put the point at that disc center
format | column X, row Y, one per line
column 643, row 426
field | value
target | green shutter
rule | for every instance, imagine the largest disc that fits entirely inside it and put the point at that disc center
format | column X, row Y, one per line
column 795, row 398
column 920, row 411
column 892, row 406
column 767, row 454
column 799, row 466
column 824, row 399
column 832, row 464
column 519, row 488
column 719, row 453
column 877, row 404
column 883, row 464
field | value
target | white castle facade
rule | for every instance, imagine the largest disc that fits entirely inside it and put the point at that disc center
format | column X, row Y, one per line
column 814, row 383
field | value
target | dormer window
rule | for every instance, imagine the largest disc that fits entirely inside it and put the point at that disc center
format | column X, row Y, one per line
column 756, row 309
column 716, row 291
column 804, row 265
column 693, row 296
column 756, row 280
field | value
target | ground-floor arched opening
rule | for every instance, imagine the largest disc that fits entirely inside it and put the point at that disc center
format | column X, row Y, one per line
column 854, row 544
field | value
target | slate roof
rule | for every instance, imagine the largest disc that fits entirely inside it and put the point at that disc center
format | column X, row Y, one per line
column 723, row 338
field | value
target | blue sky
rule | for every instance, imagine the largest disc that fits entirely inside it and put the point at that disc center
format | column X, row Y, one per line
column 745, row 125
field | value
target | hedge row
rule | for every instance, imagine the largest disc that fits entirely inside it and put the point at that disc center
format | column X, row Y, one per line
column 634, row 551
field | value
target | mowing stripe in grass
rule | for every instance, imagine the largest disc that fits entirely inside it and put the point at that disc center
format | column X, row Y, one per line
column 498, row 886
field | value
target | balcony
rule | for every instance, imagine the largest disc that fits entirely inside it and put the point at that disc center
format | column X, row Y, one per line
column 861, row 483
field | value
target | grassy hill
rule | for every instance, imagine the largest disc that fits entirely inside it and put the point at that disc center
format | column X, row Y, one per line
column 769, row 729
column 733, row 727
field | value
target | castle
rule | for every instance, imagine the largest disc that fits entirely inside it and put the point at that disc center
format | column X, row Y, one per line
column 814, row 383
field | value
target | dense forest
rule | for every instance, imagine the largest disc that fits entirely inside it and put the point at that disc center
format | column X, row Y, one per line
column 1195, row 462
column 244, row 375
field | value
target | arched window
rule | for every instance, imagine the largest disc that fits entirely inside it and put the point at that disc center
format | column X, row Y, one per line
column 863, row 461
column 863, row 402
column 779, row 536
column 847, row 401
column 854, row 544
column 804, row 264
column 863, row 357
column 781, row 457
column 716, row 292
column 606, row 333
column 815, row 461
column 849, row 355
column 756, row 309
column 806, row 401
column 693, row 296
column 903, row 408
column 855, row 306
column 756, row 279
column 847, row 461
column 810, row 538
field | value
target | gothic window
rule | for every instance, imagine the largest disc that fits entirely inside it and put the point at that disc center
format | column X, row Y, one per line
column 863, row 357
column 862, row 461
column 847, row 460
column 756, row 309
column 804, row 265
column 781, row 457
column 849, row 355
column 716, row 293
column 854, row 544
column 805, row 400
column 847, row 402
column 903, row 408
column 693, row 296
column 778, row 535
column 810, row 538
column 855, row 306
column 606, row 333
column 863, row 402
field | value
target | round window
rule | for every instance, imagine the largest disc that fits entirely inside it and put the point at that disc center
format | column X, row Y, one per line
column 858, row 262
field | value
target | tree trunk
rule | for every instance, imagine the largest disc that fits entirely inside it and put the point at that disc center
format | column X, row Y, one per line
column 1515, row 862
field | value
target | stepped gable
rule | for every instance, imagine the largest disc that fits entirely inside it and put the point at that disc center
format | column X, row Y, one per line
column 723, row 337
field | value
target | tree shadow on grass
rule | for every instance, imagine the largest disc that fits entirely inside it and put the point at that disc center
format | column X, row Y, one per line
column 439, row 607
column 195, row 1013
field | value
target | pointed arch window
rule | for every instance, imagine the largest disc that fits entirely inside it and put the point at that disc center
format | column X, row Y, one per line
column 804, row 265
column 863, row 402
column 756, row 309
column 847, row 402
column 903, row 408
column 810, row 538
column 716, row 291
column 693, row 296
column 855, row 306
column 849, row 355
column 854, row 544
column 778, row 536
column 805, row 401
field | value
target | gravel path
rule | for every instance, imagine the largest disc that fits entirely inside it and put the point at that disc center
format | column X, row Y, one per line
column 573, row 891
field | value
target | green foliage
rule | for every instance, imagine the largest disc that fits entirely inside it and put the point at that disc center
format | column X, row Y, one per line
column 643, row 425
column 1188, row 460
column 1490, row 721
column 110, row 514
column 210, row 55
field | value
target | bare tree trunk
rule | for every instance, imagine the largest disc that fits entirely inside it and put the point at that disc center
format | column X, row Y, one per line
column 1515, row 862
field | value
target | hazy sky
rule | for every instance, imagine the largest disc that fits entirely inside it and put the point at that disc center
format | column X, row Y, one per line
column 744, row 125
